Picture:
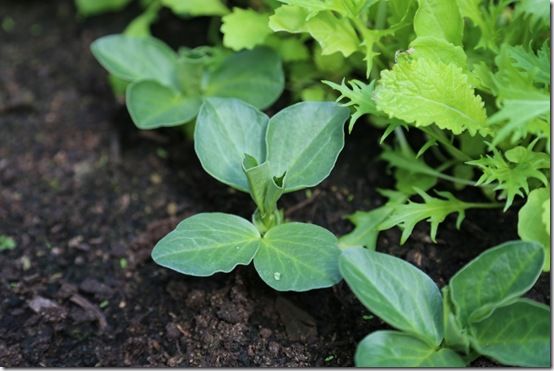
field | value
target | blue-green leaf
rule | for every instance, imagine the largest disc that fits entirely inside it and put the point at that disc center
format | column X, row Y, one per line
column 495, row 278
column 208, row 243
column 153, row 105
column 516, row 335
column 255, row 76
column 304, row 140
column 136, row 58
column 397, row 349
column 396, row 291
column 265, row 188
column 299, row 257
column 226, row 130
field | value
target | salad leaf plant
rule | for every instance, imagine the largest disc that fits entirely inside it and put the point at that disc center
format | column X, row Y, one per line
column 167, row 88
column 463, row 75
column 481, row 312
column 240, row 146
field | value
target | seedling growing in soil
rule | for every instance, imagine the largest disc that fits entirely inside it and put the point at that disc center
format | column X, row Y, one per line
column 480, row 312
column 243, row 148
column 167, row 88
column 7, row 243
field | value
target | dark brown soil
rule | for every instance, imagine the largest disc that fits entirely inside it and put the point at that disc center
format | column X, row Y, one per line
column 86, row 196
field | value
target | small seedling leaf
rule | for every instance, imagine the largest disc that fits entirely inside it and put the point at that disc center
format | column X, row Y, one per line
column 255, row 76
column 397, row 349
column 516, row 335
column 208, row 243
column 494, row 278
column 226, row 130
column 153, row 105
column 136, row 58
column 299, row 257
column 396, row 291
column 7, row 243
column 304, row 140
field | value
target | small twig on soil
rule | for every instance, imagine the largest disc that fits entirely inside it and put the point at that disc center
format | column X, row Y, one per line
column 89, row 307
column 303, row 203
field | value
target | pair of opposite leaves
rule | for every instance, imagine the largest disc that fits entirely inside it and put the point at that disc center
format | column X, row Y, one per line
column 481, row 308
column 157, row 95
column 303, row 142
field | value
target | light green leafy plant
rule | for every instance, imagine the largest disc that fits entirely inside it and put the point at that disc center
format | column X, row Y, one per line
column 480, row 312
column 243, row 148
column 167, row 88
column 466, row 77
column 7, row 243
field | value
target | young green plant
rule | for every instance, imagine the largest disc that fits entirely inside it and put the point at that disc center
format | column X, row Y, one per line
column 478, row 90
column 240, row 146
column 167, row 88
column 480, row 312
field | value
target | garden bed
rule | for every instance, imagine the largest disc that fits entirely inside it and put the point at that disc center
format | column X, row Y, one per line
column 86, row 196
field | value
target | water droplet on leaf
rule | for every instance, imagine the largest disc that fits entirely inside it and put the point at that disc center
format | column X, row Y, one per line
column 277, row 276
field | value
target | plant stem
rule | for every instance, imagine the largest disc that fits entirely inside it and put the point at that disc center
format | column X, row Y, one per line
column 381, row 15
column 438, row 135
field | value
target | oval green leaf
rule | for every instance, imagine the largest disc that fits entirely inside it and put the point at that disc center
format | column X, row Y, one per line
column 396, row 291
column 226, row 129
column 494, row 278
column 397, row 349
column 208, row 243
column 304, row 140
column 298, row 257
column 153, row 105
column 515, row 335
column 255, row 76
column 136, row 58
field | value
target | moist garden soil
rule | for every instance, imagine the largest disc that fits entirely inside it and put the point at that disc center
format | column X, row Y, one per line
column 85, row 195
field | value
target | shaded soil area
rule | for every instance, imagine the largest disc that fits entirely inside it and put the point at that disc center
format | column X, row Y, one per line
column 86, row 196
